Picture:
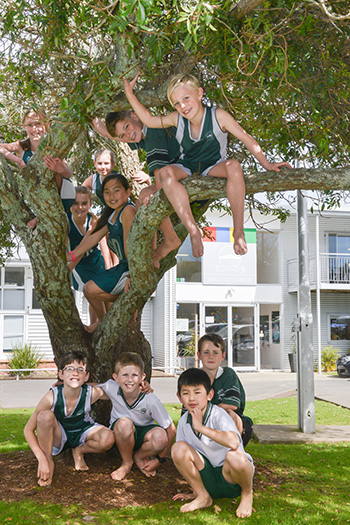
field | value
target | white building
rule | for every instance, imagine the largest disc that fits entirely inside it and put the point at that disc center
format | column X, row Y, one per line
column 251, row 300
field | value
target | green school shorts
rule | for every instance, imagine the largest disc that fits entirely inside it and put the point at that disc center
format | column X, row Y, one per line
column 215, row 483
column 139, row 433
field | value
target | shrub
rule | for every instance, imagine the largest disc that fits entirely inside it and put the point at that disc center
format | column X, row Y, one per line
column 329, row 357
column 24, row 357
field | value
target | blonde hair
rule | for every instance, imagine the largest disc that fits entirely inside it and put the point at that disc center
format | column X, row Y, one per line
column 127, row 359
column 178, row 80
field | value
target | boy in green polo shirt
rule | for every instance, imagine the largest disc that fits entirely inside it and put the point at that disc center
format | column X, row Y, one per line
column 228, row 390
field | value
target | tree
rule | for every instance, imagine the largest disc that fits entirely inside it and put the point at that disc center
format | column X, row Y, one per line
column 282, row 70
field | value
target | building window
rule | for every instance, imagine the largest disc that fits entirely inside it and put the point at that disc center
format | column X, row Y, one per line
column 189, row 268
column 339, row 327
column 187, row 317
column 267, row 257
column 12, row 289
column 13, row 331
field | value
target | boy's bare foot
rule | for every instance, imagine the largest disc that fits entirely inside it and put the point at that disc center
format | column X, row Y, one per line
column 240, row 245
column 91, row 327
column 165, row 247
column 121, row 472
column 245, row 507
column 197, row 243
column 200, row 502
column 79, row 461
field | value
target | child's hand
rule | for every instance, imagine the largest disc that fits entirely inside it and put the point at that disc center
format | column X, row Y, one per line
column 197, row 418
column 142, row 177
column 146, row 387
column 274, row 166
column 129, row 86
column 56, row 165
column 146, row 194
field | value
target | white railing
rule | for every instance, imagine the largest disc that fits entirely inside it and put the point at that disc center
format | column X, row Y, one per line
column 334, row 269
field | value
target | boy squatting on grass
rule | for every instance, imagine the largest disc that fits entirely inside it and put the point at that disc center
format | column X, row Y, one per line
column 161, row 148
column 62, row 420
column 202, row 135
column 228, row 390
column 133, row 419
column 208, row 451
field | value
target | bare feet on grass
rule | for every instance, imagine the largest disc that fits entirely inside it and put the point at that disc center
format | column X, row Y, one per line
column 79, row 461
column 121, row 472
column 245, row 507
column 200, row 502
column 165, row 247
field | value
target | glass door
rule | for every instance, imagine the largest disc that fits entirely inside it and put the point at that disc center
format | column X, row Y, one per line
column 243, row 336
column 235, row 324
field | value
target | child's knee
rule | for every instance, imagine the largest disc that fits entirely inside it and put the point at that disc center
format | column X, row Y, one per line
column 236, row 459
column 45, row 418
column 124, row 426
column 179, row 450
column 166, row 173
column 159, row 439
column 233, row 168
column 106, row 439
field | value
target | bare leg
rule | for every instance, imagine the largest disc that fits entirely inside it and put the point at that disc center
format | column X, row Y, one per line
column 235, row 190
column 169, row 243
column 178, row 197
column 99, row 439
column 48, row 434
column 189, row 463
column 154, row 442
column 170, row 240
column 96, row 298
column 238, row 469
column 125, row 440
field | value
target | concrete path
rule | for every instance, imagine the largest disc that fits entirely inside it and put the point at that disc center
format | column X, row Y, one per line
column 258, row 385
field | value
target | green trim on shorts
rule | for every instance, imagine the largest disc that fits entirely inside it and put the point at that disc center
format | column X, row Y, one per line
column 215, row 483
column 139, row 433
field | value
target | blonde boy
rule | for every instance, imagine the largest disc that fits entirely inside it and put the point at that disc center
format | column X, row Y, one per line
column 62, row 420
column 208, row 451
column 202, row 135
column 133, row 419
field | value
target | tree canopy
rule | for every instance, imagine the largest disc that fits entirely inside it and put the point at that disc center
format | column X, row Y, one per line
column 281, row 68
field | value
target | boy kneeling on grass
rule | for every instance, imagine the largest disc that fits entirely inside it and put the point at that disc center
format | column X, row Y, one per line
column 62, row 420
column 208, row 451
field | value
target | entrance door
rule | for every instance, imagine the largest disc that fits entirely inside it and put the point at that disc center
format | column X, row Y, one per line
column 235, row 324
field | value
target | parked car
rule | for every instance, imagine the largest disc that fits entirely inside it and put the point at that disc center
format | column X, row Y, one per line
column 343, row 365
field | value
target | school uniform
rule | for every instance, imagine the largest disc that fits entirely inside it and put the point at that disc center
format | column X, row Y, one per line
column 75, row 426
column 92, row 263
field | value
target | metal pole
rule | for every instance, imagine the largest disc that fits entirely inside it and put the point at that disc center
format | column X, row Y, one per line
column 305, row 370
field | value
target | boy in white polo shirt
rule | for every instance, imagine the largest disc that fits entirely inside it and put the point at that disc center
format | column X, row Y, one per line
column 133, row 419
column 208, row 451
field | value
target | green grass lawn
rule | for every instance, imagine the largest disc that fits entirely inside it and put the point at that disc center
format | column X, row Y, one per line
column 302, row 483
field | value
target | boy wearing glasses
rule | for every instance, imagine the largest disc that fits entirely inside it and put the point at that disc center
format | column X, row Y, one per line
column 62, row 420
